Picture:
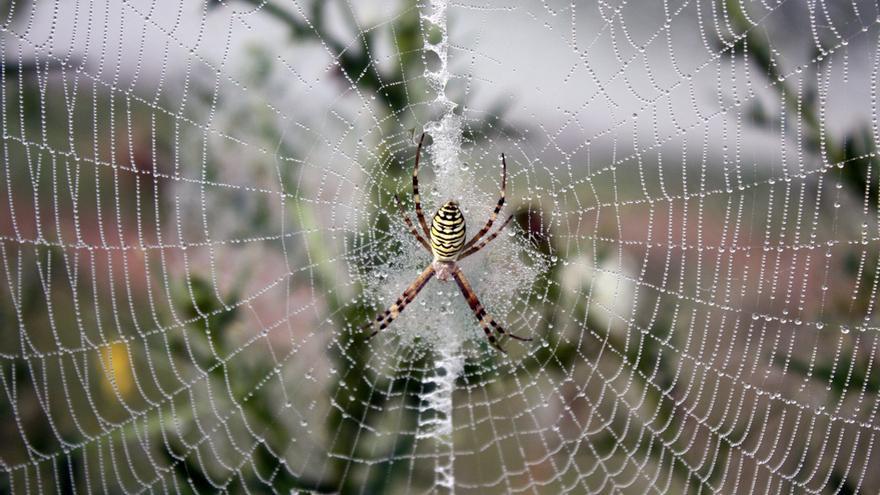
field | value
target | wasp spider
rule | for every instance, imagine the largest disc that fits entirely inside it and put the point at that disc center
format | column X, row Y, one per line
column 445, row 240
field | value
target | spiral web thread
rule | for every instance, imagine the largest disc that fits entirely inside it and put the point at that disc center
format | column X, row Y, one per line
column 199, row 220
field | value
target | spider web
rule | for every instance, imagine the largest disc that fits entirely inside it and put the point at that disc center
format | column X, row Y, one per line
column 200, row 219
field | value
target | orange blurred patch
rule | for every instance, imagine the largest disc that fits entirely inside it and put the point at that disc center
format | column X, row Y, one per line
column 116, row 370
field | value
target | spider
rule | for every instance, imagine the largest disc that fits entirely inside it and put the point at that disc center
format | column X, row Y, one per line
column 445, row 240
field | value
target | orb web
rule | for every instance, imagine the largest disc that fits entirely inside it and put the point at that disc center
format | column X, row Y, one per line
column 200, row 220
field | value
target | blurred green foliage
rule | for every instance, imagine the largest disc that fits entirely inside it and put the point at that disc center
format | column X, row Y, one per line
column 854, row 150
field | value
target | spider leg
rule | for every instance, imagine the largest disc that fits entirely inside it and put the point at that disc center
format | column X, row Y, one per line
column 412, row 228
column 485, row 241
column 487, row 322
column 415, row 186
column 384, row 319
column 495, row 212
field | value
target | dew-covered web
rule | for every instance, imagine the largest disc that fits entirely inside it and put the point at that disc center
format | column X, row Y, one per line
column 199, row 221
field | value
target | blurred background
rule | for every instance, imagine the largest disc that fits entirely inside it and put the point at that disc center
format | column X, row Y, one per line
column 198, row 220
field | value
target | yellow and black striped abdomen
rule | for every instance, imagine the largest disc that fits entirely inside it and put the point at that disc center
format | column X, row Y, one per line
column 447, row 232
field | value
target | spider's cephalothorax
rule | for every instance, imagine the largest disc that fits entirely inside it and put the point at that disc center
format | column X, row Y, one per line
column 447, row 245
